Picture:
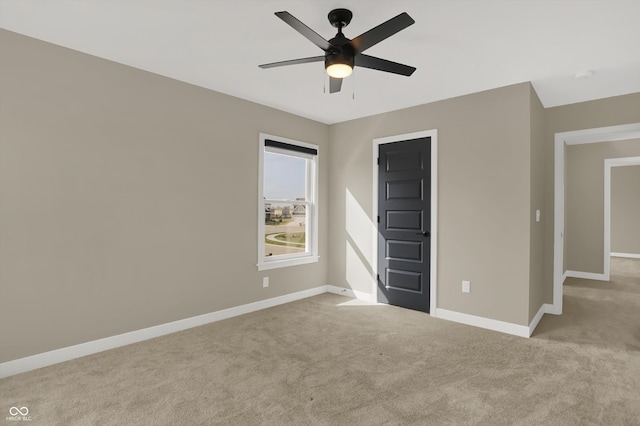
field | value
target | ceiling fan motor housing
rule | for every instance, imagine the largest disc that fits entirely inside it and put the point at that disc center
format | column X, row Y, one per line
column 341, row 52
column 338, row 57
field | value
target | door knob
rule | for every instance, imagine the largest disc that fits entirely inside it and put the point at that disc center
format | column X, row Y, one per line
column 423, row 233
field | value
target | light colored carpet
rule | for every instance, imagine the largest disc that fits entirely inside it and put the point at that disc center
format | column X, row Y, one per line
column 335, row 361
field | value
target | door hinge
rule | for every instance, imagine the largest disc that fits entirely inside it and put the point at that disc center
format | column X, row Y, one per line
column 378, row 161
column 378, row 219
column 378, row 277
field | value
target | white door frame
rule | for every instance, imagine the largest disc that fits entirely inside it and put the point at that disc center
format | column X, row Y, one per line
column 608, row 164
column 600, row 134
column 433, row 276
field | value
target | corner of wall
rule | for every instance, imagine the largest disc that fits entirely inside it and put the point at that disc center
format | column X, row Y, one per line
column 539, row 212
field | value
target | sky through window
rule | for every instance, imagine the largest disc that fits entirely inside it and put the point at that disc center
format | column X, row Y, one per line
column 284, row 177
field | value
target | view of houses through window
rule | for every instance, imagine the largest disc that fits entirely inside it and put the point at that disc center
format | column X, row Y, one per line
column 285, row 204
column 285, row 228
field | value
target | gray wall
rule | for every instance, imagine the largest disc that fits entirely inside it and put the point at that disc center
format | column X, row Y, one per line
column 484, row 199
column 128, row 199
column 585, row 115
column 536, row 251
column 625, row 210
column 584, row 202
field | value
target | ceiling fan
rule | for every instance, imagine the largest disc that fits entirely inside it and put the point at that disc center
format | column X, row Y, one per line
column 342, row 54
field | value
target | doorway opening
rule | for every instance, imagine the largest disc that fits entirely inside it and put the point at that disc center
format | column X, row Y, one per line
column 608, row 164
column 601, row 134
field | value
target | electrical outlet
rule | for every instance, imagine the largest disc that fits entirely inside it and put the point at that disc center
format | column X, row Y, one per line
column 265, row 282
column 537, row 215
column 466, row 286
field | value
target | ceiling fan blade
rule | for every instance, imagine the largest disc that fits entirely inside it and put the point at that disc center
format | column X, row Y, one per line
column 292, row 62
column 374, row 63
column 335, row 84
column 311, row 35
column 381, row 32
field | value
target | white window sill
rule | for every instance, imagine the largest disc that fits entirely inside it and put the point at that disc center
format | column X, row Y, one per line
column 287, row 262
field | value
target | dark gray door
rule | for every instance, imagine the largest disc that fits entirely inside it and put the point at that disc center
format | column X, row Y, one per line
column 404, row 198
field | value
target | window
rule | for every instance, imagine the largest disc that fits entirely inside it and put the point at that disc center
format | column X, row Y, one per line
column 287, row 207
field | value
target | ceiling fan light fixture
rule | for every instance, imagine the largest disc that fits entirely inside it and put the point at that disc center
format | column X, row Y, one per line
column 338, row 64
column 339, row 70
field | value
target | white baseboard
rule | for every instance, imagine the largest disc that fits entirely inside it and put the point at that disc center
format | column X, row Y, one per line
column 44, row 359
column 552, row 309
column 586, row 275
column 501, row 326
column 489, row 324
column 354, row 294
column 546, row 308
column 628, row 255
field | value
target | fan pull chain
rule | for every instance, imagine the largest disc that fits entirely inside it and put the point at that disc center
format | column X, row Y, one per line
column 324, row 82
column 353, row 86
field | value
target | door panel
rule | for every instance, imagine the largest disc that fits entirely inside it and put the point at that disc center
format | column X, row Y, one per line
column 399, row 160
column 404, row 218
column 404, row 280
column 409, row 251
column 409, row 189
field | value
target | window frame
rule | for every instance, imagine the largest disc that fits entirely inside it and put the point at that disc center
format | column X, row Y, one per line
column 311, row 193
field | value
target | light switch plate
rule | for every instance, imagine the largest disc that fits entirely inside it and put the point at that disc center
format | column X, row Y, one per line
column 466, row 286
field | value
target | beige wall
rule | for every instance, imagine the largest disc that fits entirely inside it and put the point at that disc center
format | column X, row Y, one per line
column 584, row 202
column 585, row 115
column 128, row 199
column 484, row 199
column 625, row 209
column 536, row 251
column 117, row 212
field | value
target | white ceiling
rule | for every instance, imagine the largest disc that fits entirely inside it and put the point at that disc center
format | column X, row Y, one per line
column 458, row 47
